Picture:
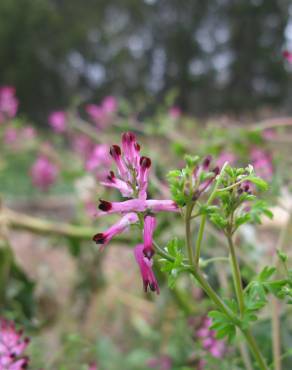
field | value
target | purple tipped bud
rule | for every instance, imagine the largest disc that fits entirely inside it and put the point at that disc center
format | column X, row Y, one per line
column 105, row 206
column 128, row 137
column 206, row 162
column 99, row 238
column 111, row 177
column 216, row 171
column 115, row 151
column 148, row 252
column 145, row 162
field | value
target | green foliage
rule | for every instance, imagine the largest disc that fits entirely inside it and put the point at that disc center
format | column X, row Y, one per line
column 175, row 267
column 224, row 327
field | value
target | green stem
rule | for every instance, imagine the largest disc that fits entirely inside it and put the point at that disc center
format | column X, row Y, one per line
column 188, row 232
column 199, row 239
column 236, row 276
column 255, row 350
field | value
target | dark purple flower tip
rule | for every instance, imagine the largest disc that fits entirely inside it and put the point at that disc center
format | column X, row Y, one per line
column 137, row 147
column 128, row 137
column 104, row 205
column 206, row 162
column 145, row 162
column 246, row 188
column 111, row 176
column 26, row 340
column 99, row 238
column 152, row 285
column 115, row 151
column 148, row 252
column 216, row 170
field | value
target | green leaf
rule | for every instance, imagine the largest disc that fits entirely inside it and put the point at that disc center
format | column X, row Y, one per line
column 259, row 182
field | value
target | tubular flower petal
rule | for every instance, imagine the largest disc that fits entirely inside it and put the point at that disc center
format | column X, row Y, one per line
column 164, row 205
column 145, row 266
column 131, row 149
column 115, row 152
column 113, row 182
column 132, row 205
column 117, row 228
column 143, row 174
column 149, row 226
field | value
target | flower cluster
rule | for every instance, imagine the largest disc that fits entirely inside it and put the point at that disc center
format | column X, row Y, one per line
column 58, row 121
column 8, row 103
column 262, row 162
column 44, row 173
column 12, row 346
column 132, row 182
column 215, row 347
column 102, row 114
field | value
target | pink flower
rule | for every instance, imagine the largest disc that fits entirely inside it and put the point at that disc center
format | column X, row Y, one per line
column 145, row 265
column 58, row 121
column 102, row 114
column 95, row 112
column 149, row 226
column 117, row 228
column 10, row 135
column 82, row 145
column 160, row 363
column 93, row 366
column 98, row 161
column 132, row 182
column 8, row 103
column 12, row 346
column 28, row 133
column 109, row 104
column 113, row 182
column 269, row 134
column 262, row 162
column 44, row 173
column 212, row 345
column 132, row 205
column 287, row 55
column 175, row 112
column 225, row 157
column 138, row 205
column 131, row 150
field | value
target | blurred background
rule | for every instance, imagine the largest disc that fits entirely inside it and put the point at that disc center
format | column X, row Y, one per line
column 187, row 76
column 219, row 56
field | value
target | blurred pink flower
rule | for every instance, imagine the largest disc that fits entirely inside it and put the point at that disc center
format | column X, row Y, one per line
column 207, row 337
column 82, row 145
column 98, row 161
column 8, row 102
column 10, row 135
column 225, row 157
column 102, row 114
column 92, row 366
column 175, row 112
column 12, row 346
column 262, row 162
column 160, row 363
column 109, row 104
column 99, row 157
column 269, row 134
column 28, row 133
column 95, row 112
column 44, row 173
column 58, row 121
column 287, row 55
